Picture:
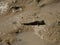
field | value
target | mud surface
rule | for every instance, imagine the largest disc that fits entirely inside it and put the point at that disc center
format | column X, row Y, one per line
column 29, row 22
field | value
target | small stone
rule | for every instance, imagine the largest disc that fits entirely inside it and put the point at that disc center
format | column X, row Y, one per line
column 3, row 7
column 21, row 9
column 4, row 33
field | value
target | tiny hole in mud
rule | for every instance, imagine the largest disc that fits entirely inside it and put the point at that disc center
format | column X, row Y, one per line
column 38, row 1
column 59, row 23
column 0, row 40
column 17, row 32
column 16, row 7
column 22, row 17
column 35, row 23
column 8, row 43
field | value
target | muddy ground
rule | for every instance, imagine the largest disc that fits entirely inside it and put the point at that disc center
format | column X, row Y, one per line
column 29, row 22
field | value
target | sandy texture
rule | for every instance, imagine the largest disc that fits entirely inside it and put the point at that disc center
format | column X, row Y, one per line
column 40, row 17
